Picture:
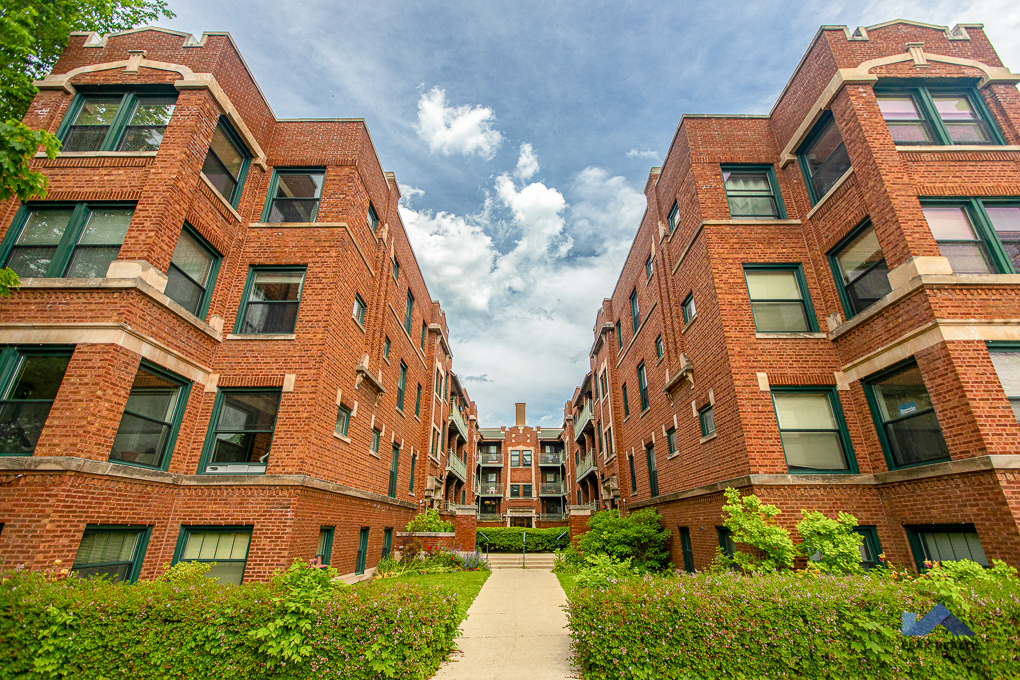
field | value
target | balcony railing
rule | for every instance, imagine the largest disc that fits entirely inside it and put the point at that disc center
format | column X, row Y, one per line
column 582, row 421
column 455, row 465
column 554, row 458
column 489, row 489
column 490, row 517
column 490, row 459
column 458, row 420
column 554, row 516
column 586, row 466
column 552, row 489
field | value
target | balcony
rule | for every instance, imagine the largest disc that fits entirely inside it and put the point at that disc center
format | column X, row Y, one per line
column 555, row 458
column 552, row 489
column 455, row 465
column 554, row 517
column 586, row 467
column 490, row 459
column 582, row 421
column 490, row 517
column 458, row 420
column 489, row 489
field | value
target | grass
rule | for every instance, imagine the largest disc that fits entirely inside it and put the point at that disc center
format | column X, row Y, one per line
column 567, row 581
column 465, row 584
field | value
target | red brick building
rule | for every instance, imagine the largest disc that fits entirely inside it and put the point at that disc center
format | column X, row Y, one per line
column 223, row 348
column 822, row 306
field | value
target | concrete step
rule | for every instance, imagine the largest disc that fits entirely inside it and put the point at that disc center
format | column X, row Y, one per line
column 516, row 561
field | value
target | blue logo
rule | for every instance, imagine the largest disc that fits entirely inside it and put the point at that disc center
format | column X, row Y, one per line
column 939, row 616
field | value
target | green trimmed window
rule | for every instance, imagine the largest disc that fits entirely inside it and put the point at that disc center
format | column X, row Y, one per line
column 152, row 416
column 241, row 432
column 619, row 336
column 424, row 333
column 515, row 459
column 671, row 440
column 324, row 551
column 1006, row 360
column 116, row 122
column 386, row 348
column 648, row 266
column 394, row 469
column 376, row 439
column 515, row 491
column 674, row 217
column 359, row 310
column 726, row 541
column 410, row 485
column 626, row 403
column 408, row 312
column 945, row 543
column 635, row 314
column 387, row 542
column 658, row 347
column 293, row 195
column 396, row 268
column 29, row 381
column 226, row 163
column 226, row 547
column 75, row 241
column 373, row 219
column 937, row 116
column 269, row 304
column 753, row 192
column 904, row 417
column 823, row 157
column 978, row 236
column 359, row 564
column 688, row 308
column 642, row 379
column 653, row 473
column 812, row 429
column 860, row 270
column 526, row 491
column 112, row 552
column 686, row 549
column 780, row 302
column 401, row 385
column 610, row 444
column 706, row 417
column 870, row 547
column 603, row 379
column 192, row 272
column 526, row 458
column 417, row 402
column 633, row 475
column 598, row 428
column 343, row 420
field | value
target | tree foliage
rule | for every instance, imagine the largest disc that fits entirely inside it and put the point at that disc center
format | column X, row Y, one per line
column 753, row 523
column 639, row 537
column 833, row 543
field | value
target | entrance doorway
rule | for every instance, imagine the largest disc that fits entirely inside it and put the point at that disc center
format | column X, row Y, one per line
column 520, row 522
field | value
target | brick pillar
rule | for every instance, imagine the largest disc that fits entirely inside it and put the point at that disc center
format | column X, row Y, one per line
column 465, row 526
column 579, row 516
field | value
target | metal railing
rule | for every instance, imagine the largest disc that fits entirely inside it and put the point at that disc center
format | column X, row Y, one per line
column 554, row 516
column 555, row 458
column 552, row 489
column 458, row 420
column 585, row 467
column 455, row 465
column 489, row 489
column 490, row 517
column 493, row 459
column 582, row 421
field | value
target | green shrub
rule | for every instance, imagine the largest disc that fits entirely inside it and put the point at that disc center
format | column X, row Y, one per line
column 952, row 583
column 835, row 542
column 786, row 625
column 603, row 571
column 752, row 523
column 429, row 521
column 508, row 539
column 186, row 626
column 639, row 537
column 430, row 561
column 568, row 561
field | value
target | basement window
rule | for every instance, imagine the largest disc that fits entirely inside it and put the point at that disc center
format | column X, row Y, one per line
column 226, row 548
column 945, row 543
column 111, row 552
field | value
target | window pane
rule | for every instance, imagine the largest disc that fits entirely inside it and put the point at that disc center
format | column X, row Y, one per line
column 245, row 411
column 192, row 259
column 99, row 243
column 297, row 196
column 813, row 450
column 901, row 393
column 747, row 180
column 962, row 122
column 827, row 159
column 184, row 291
column 38, row 377
column 228, row 155
column 966, row 258
column 145, row 426
column 106, row 546
column 24, row 411
column 954, row 108
column 898, row 108
column 752, row 206
column 906, row 124
column 291, row 185
column 91, row 124
column 148, row 123
column 780, row 317
column 949, row 223
column 33, row 251
column 270, row 285
column 773, row 285
column 917, row 439
column 860, row 255
column 1007, row 365
column 1006, row 221
column 219, row 176
column 804, row 411
column 952, row 546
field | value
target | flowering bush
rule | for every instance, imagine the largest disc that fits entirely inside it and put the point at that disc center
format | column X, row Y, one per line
column 427, row 561
column 429, row 521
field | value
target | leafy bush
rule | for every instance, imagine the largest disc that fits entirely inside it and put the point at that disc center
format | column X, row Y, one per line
column 753, row 523
column 952, row 583
column 186, row 626
column 639, row 537
column 569, row 560
column 428, row 561
column 508, row 539
column 835, row 542
column 603, row 571
column 787, row 624
column 429, row 521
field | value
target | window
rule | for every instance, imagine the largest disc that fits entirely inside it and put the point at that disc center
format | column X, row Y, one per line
column 343, row 420
column 689, row 310
column 922, row 115
column 648, row 266
column 595, row 389
column 686, row 549
column 610, row 445
column 1006, row 360
column 68, row 241
column 117, row 122
column 401, row 385
column 626, row 405
column 359, row 310
column 752, row 191
column 410, row 485
column 526, row 491
column 394, row 467
column 373, row 219
column 435, row 443
column 293, row 195
column 515, row 459
column 653, row 474
column 779, row 299
column 29, row 380
column 424, row 330
column 642, row 380
column 386, row 348
column 671, row 440
column 111, row 552
column 658, row 347
column 242, row 434
column 633, row 475
column 324, row 551
column 604, row 390
column 619, row 336
column 978, row 236
column 376, row 437
column 269, row 304
column 387, row 542
column 598, row 428
column 905, row 418
column 515, row 491
column 726, row 541
column 417, row 402
column 526, row 458
column 635, row 315
column 823, row 158
column 226, row 546
column 408, row 312
column 192, row 272
column 359, row 564
column 862, row 276
column 396, row 268
column 439, row 382
column 812, row 430
column 706, row 417
column 945, row 543
column 674, row 217
column 148, row 428
column 226, row 164
column 870, row 548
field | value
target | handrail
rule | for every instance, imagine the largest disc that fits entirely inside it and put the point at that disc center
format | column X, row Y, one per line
column 561, row 536
column 486, row 544
column 524, row 550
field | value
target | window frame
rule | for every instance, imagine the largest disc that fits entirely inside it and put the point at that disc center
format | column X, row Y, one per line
column 837, row 271
column 205, row 459
column 633, row 475
column 626, row 405
column 672, row 446
column 642, row 374
column 387, row 543
column 689, row 300
column 386, row 348
column 619, row 336
column 417, row 403
column 515, row 453
column 673, row 217
column 869, row 533
column 249, row 283
column 188, row 529
column 649, row 267
column 214, row 268
column 653, row 471
column 659, row 349
column 914, row 532
column 144, row 533
column 805, row 295
column 974, row 207
column 922, row 96
column 635, row 311
column 811, row 138
column 515, row 491
column 726, row 542
column 702, row 415
column 372, row 218
column 401, row 386
column 326, row 534
column 360, row 309
column 274, row 182
column 346, row 412
column 1000, row 347
column 10, row 361
column 424, row 332
column 394, row 470
column 184, row 392
column 125, row 111
column 408, row 311
column 686, row 548
column 361, row 558
column 837, row 411
column 777, row 195
column 246, row 156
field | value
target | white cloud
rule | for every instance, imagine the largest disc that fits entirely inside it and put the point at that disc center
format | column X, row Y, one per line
column 457, row 129
column 409, row 193
column 527, row 163
column 643, row 153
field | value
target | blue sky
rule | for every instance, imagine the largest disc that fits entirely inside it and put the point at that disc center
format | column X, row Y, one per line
column 522, row 133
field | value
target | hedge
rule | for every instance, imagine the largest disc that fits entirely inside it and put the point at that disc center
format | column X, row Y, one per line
column 92, row 629
column 785, row 626
column 508, row 539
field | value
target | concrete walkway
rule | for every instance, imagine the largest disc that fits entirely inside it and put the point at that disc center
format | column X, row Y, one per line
column 515, row 628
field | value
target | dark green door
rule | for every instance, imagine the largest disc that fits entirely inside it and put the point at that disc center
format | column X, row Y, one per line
column 394, row 463
column 687, row 549
column 359, row 567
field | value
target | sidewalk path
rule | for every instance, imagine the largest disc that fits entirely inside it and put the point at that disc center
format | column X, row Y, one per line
column 515, row 629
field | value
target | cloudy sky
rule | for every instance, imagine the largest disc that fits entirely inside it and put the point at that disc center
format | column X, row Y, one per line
column 522, row 133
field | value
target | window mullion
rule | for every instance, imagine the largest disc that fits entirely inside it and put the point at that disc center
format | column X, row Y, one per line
column 986, row 232
column 931, row 114
column 9, row 358
column 270, row 194
column 75, row 226
column 119, row 122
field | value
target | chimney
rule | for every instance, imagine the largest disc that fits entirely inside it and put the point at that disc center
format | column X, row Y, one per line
column 520, row 414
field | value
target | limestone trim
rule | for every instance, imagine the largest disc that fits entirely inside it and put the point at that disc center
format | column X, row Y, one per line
column 950, row 148
column 438, row 329
column 73, row 464
column 119, row 334
column 218, row 195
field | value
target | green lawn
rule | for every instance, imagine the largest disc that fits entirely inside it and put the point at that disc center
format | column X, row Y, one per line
column 568, row 582
column 465, row 584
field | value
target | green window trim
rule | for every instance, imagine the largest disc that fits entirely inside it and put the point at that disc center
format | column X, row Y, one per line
column 842, row 432
column 726, row 543
column 689, row 309
column 626, row 404
column 673, row 219
column 653, row 471
column 671, row 443
column 706, row 418
column 643, row 386
column 774, row 193
column 209, row 446
column 811, row 320
column 876, row 267
column 394, row 470
column 129, row 101
column 633, row 475
column 359, row 564
column 410, row 486
column 396, row 268
column 923, row 99
column 387, row 543
column 187, row 531
column 1002, row 369
column 408, row 312
column 274, row 183
column 12, row 360
column 619, row 336
column 648, row 266
column 242, row 149
column 686, row 549
column 659, row 350
column 376, row 440
column 401, row 386
column 214, row 270
column 870, row 546
column 386, row 348
column 976, row 210
column 324, row 551
column 515, row 491
column 424, row 333
column 915, row 534
column 177, row 417
column 143, row 533
column 635, row 312
column 417, row 402
column 253, row 271
column 372, row 217
column 359, row 310
column 816, row 132
column 343, row 420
